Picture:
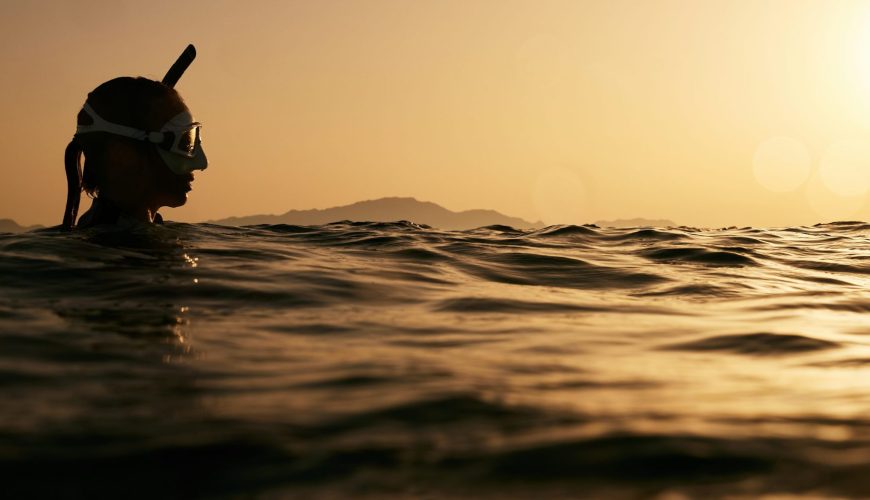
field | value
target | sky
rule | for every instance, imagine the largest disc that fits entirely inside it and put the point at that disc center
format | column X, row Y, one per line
column 705, row 112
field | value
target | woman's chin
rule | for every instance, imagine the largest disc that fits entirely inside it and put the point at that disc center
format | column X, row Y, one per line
column 177, row 200
column 181, row 201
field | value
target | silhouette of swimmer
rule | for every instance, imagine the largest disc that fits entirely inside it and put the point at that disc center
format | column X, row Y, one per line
column 140, row 145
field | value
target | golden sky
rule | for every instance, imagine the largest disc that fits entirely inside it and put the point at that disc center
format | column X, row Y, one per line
column 709, row 113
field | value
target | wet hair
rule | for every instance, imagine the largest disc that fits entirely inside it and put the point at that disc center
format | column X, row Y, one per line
column 126, row 101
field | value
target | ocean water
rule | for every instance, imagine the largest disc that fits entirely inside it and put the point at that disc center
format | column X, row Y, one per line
column 391, row 360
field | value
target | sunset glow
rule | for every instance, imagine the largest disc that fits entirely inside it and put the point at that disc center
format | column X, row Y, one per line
column 444, row 249
column 561, row 111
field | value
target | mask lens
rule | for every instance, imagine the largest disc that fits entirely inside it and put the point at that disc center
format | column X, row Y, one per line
column 187, row 141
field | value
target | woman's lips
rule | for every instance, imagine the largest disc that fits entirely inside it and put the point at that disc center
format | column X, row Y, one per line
column 187, row 180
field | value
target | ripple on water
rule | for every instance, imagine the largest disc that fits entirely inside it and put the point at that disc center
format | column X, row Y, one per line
column 554, row 231
column 699, row 256
column 649, row 234
column 643, row 458
column 194, row 360
column 513, row 306
column 550, row 270
column 756, row 344
column 831, row 267
column 436, row 410
column 843, row 363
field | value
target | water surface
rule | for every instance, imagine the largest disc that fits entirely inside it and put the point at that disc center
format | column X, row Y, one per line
column 394, row 360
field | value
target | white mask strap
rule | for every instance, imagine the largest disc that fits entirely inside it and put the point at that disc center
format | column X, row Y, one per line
column 101, row 125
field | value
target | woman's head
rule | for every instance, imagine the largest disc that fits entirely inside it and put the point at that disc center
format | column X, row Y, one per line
column 140, row 145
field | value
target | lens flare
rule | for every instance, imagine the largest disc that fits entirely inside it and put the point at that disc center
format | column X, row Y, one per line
column 831, row 206
column 845, row 167
column 781, row 164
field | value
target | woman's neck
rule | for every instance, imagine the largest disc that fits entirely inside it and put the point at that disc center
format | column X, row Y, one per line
column 140, row 212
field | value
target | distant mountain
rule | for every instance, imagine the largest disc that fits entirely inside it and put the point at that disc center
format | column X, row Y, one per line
column 388, row 210
column 10, row 226
column 635, row 223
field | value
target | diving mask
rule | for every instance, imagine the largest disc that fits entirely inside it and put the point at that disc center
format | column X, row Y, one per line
column 179, row 141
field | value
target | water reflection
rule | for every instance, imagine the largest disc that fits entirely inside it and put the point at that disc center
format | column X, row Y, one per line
column 369, row 357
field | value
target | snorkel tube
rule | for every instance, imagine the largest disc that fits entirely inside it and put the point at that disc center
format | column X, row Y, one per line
column 180, row 66
column 73, row 154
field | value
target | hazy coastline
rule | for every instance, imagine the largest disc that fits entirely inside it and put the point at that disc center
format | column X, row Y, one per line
column 391, row 209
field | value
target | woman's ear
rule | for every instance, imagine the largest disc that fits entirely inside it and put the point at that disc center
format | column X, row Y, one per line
column 119, row 154
column 127, row 171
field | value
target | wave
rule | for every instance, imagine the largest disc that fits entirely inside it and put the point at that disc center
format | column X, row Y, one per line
column 699, row 256
column 757, row 344
column 397, row 360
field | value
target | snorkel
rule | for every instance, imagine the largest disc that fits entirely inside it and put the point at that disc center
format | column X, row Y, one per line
column 178, row 142
column 179, row 66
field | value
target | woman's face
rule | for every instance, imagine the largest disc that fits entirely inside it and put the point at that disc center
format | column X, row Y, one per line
column 169, row 189
column 139, row 176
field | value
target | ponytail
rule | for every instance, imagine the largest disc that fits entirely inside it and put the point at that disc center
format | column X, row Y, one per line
column 73, row 165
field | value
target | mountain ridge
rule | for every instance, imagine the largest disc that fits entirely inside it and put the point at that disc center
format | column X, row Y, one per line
column 10, row 226
column 390, row 209
column 385, row 210
column 395, row 208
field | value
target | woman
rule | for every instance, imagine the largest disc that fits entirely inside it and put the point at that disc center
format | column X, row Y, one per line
column 140, row 145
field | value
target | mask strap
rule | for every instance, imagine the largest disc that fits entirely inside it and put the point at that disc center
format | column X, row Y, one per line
column 101, row 125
